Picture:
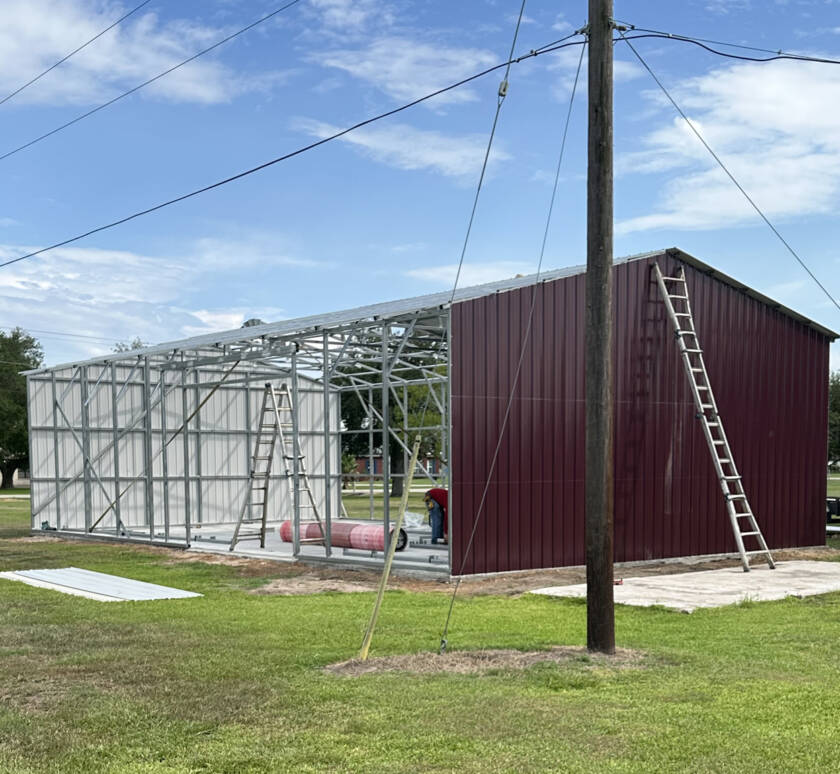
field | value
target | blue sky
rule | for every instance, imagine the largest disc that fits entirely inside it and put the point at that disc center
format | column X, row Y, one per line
column 381, row 214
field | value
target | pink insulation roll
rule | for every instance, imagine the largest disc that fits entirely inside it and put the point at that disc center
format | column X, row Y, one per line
column 346, row 534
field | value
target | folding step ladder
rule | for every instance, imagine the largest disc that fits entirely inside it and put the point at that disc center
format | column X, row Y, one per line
column 277, row 422
column 674, row 292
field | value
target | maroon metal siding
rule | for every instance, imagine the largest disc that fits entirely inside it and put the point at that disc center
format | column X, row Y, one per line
column 770, row 377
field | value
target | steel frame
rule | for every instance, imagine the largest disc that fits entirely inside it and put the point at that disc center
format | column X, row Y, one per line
column 381, row 357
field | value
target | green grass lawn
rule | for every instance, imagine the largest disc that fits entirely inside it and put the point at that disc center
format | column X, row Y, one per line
column 232, row 682
column 834, row 485
column 14, row 520
column 357, row 504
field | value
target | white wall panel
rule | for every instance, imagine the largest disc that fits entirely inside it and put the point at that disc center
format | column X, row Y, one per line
column 228, row 425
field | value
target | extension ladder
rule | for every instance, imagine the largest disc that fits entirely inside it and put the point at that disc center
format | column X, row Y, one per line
column 276, row 427
column 674, row 292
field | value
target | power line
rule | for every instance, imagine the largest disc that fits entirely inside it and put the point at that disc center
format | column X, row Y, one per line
column 146, row 83
column 74, row 52
column 729, row 174
column 98, row 339
column 292, row 154
column 701, row 43
column 503, row 86
column 518, row 371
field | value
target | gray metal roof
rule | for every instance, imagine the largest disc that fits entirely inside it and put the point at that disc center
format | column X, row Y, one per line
column 391, row 310
column 383, row 311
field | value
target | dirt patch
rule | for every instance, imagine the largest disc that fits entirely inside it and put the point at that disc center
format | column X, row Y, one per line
column 817, row 553
column 481, row 661
column 302, row 579
column 311, row 584
column 299, row 578
column 248, row 565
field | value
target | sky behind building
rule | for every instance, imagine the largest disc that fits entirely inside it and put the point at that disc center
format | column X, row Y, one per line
column 381, row 213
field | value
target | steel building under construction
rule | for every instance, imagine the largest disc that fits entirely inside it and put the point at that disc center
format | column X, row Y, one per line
column 158, row 444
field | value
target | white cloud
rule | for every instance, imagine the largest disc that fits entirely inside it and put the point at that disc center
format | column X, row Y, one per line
column 37, row 33
column 117, row 294
column 512, row 19
column 625, row 70
column 227, row 319
column 565, row 62
column 561, row 25
column 723, row 7
column 774, row 126
column 407, row 69
column 471, row 273
column 405, row 147
column 350, row 15
column 408, row 247
column 248, row 251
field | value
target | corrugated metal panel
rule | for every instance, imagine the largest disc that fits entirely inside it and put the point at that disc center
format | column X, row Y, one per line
column 384, row 310
column 394, row 309
column 225, row 442
column 770, row 376
column 97, row 585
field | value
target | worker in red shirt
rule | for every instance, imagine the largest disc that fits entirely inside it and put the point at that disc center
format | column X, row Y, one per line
column 436, row 501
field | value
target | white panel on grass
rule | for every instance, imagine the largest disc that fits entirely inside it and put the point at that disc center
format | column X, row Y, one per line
column 96, row 585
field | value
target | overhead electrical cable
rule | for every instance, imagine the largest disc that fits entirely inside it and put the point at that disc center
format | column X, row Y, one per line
column 98, row 339
column 287, row 156
column 500, row 98
column 150, row 81
column 706, row 43
column 518, row 371
column 723, row 166
column 74, row 52
column 739, row 57
column 18, row 363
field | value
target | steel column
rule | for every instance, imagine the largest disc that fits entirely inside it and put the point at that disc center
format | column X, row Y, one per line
column 164, row 455
column 327, row 466
column 29, row 440
column 185, row 413
column 371, row 460
column 115, row 443
column 295, row 460
column 198, row 471
column 56, row 465
column 147, row 446
column 83, row 391
column 249, row 442
column 386, row 436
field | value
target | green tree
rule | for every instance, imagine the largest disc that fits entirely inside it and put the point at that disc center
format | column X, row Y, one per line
column 18, row 352
column 422, row 411
column 834, row 416
column 128, row 346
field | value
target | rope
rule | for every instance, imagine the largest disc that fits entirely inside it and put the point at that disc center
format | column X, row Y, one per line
column 443, row 637
column 503, row 86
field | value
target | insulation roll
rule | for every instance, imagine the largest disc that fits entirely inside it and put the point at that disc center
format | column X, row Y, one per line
column 346, row 534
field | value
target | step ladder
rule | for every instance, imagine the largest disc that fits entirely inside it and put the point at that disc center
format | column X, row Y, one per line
column 674, row 292
column 276, row 429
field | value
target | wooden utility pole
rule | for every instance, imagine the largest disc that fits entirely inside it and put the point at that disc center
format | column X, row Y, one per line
column 600, row 618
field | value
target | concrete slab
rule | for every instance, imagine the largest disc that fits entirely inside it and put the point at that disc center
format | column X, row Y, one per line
column 716, row 588
column 415, row 558
column 96, row 585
